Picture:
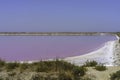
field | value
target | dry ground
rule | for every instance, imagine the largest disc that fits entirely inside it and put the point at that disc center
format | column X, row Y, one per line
column 102, row 75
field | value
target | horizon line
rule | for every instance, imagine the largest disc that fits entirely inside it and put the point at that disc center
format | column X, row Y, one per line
column 56, row 33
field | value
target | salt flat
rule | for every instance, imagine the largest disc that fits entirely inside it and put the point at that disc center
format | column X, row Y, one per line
column 108, row 55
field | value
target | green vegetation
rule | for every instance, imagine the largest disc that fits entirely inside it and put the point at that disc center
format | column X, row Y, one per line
column 36, row 77
column 11, row 66
column 23, row 66
column 46, row 70
column 118, row 33
column 100, row 67
column 95, row 65
column 79, row 71
column 52, row 70
column 90, row 64
column 65, row 76
column 2, row 63
column 1, row 79
column 115, row 76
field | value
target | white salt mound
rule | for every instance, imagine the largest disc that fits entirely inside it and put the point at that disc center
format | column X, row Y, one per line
column 109, row 55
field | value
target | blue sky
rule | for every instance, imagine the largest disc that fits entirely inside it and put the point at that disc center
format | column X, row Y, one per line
column 59, row 15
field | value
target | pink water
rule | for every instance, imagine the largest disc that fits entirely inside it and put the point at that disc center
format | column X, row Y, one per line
column 17, row 48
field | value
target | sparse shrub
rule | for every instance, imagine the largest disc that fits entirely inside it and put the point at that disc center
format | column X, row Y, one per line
column 42, row 68
column 63, row 66
column 47, row 66
column 36, row 78
column 8, row 78
column 39, row 77
column 79, row 71
column 64, row 76
column 100, row 67
column 115, row 76
column 12, row 73
column 90, row 64
column 39, row 69
column 11, row 66
column 2, row 63
column 1, row 78
column 23, row 66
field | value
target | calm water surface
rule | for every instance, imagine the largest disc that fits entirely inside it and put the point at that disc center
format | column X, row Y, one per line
column 17, row 48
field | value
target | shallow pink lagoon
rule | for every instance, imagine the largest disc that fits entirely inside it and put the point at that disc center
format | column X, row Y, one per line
column 17, row 48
